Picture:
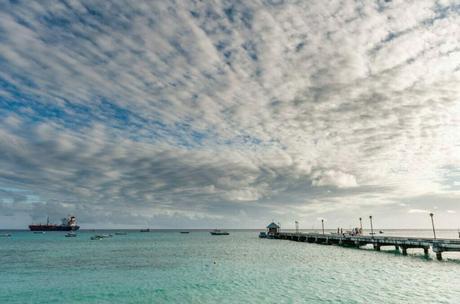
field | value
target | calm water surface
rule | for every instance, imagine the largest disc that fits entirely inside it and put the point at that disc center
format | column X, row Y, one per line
column 169, row 267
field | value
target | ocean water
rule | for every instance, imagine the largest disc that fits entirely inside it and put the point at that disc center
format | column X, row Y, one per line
column 169, row 267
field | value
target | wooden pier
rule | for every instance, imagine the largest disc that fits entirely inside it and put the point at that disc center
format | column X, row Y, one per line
column 438, row 246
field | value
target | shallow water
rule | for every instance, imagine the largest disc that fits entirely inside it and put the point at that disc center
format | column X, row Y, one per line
column 169, row 267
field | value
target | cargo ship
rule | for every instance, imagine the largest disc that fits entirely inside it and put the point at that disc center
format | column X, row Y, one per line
column 67, row 224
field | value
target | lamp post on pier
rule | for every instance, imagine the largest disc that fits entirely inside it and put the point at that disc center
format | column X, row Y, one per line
column 432, row 224
column 361, row 225
column 372, row 228
column 322, row 225
column 296, row 227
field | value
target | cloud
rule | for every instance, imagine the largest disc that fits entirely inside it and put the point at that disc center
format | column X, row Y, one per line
column 334, row 178
column 196, row 113
column 418, row 211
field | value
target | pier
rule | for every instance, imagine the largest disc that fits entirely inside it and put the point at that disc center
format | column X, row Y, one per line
column 438, row 246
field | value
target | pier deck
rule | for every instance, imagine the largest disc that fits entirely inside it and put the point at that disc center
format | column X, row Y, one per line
column 438, row 246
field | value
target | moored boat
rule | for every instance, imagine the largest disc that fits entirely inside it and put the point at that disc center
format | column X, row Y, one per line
column 71, row 234
column 5, row 235
column 263, row 235
column 185, row 232
column 100, row 236
column 219, row 232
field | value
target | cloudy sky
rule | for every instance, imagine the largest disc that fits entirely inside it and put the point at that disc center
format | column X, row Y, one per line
column 206, row 114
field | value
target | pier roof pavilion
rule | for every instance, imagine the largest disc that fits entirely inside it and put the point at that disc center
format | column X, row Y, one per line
column 273, row 228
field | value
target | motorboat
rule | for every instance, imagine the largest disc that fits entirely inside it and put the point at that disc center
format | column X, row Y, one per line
column 219, row 232
column 100, row 236
column 71, row 234
column 5, row 235
column 185, row 232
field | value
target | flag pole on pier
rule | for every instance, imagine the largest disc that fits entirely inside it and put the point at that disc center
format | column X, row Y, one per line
column 432, row 224
column 372, row 228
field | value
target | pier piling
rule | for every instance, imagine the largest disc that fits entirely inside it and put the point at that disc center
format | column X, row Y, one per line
column 404, row 250
column 439, row 256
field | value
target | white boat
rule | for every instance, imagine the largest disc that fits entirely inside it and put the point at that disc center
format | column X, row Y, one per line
column 101, row 236
column 5, row 235
column 71, row 234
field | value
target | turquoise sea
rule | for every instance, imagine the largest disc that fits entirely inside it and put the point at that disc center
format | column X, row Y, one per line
column 169, row 267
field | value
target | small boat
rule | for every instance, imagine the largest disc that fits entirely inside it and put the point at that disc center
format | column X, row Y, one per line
column 71, row 234
column 39, row 232
column 185, row 232
column 100, row 236
column 263, row 235
column 121, row 233
column 270, row 235
column 5, row 235
column 145, row 230
column 219, row 232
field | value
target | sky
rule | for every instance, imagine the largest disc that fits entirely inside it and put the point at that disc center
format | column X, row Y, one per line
column 205, row 114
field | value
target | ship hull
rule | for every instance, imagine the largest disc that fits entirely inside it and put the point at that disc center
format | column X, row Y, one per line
column 53, row 228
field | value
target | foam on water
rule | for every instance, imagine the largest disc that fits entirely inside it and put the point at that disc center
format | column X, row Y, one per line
column 169, row 267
